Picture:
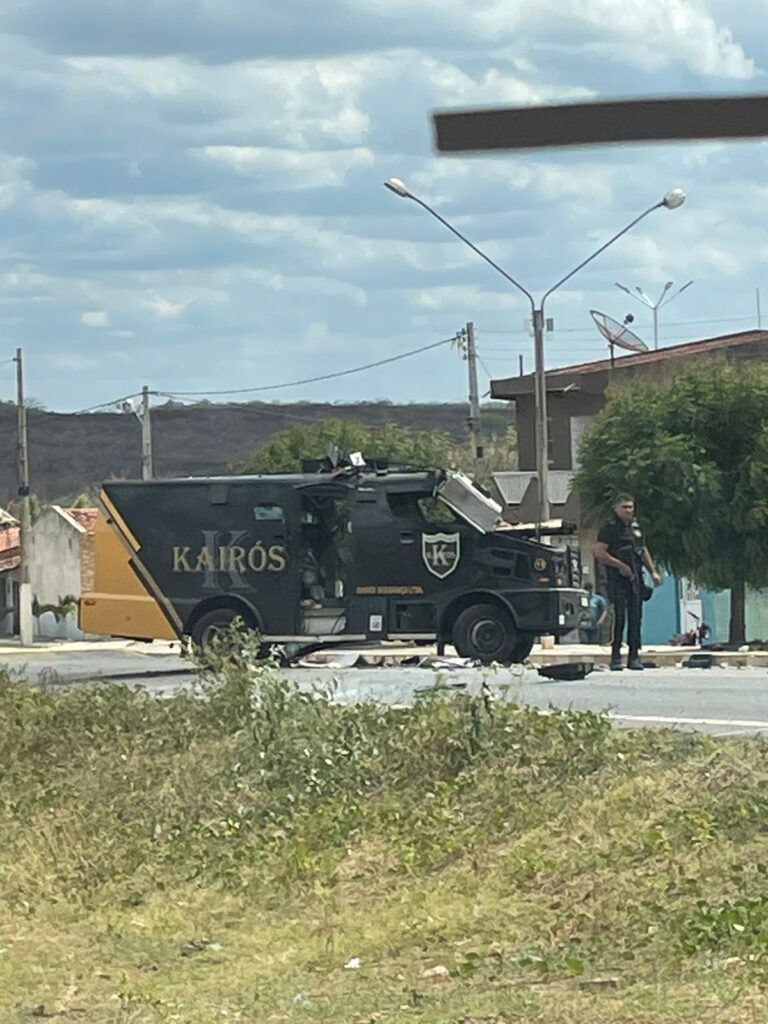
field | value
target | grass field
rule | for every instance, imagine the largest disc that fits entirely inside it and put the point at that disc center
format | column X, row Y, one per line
column 285, row 858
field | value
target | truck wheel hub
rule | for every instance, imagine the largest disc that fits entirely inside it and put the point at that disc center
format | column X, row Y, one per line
column 487, row 636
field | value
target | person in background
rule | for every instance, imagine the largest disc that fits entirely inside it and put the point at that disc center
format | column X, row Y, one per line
column 594, row 616
column 621, row 548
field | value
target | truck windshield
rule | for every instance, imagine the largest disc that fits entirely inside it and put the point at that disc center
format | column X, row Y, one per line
column 460, row 494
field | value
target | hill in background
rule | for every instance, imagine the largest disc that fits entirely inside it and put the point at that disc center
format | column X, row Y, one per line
column 73, row 452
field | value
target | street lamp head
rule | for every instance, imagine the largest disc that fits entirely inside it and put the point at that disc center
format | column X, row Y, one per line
column 397, row 186
column 674, row 199
column 668, row 285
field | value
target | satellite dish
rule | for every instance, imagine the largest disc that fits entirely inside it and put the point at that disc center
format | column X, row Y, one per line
column 617, row 333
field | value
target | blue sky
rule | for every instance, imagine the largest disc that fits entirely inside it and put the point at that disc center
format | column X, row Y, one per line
column 191, row 194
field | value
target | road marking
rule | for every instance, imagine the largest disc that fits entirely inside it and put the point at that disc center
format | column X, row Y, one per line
column 661, row 719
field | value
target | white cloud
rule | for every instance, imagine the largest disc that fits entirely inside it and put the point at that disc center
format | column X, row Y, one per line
column 290, row 168
column 653, row 34
column 164, row 307
column 233, row 204
column 95, row 318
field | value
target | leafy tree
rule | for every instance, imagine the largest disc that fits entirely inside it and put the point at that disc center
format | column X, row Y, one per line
column 283, row 452
column 694, row 452
column 83, row 500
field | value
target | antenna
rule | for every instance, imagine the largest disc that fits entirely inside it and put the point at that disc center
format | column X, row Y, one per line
column 617, row 333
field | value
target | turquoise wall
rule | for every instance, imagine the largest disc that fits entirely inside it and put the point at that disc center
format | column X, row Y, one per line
column 661, row 615
column 716, row 609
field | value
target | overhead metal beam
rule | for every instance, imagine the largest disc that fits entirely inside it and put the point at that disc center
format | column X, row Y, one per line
column 600, row 123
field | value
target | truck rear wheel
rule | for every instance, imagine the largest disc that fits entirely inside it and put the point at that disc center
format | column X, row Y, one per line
column 486, row 633
column 214, row 623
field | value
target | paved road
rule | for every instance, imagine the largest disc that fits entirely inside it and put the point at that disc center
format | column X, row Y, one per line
column 720, row 701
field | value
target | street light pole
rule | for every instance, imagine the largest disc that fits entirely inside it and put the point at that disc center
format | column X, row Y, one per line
column 540, row 414
column 662, row 300
column 673, row 199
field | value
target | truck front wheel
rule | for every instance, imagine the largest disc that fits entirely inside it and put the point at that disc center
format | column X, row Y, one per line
column 486, row 633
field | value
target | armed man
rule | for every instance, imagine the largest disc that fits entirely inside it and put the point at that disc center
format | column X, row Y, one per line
column 620, row 547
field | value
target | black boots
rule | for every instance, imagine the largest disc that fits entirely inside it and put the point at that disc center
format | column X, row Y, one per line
column 633, row 663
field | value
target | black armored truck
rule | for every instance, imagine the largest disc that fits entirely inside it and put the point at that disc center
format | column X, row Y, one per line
column 347, row 553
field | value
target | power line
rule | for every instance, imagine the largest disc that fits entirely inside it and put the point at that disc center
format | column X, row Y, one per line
column 115, row 401
column 185, row 395
column 584, row 330
column 314, row 380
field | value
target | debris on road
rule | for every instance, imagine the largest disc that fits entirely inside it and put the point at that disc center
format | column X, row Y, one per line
column 699, row 661
column 567, row 672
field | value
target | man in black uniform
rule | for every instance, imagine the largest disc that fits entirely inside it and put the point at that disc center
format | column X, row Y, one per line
column 621, row 549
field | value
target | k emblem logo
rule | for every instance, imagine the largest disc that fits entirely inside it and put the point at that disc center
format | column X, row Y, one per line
column 441, row 552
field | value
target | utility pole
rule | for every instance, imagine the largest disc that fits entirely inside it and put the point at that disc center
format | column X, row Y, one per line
column 26, row 631
column 146, row 436
column 474, row 400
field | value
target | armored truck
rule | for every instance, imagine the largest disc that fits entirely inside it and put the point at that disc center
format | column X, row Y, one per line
column 353, row 554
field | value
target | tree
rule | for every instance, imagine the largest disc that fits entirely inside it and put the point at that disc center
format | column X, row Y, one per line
column 83, row 500
column 283, row 452
column 694, row 452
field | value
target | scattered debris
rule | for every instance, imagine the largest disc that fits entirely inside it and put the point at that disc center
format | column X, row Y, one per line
column 354, row 964
column 440, row 972
column 329, row 659
column 699, row 661
column 440, row 664
column 568, row 671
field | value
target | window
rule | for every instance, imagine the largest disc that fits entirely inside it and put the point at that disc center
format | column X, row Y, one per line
column 423, row 508
column 268, row 513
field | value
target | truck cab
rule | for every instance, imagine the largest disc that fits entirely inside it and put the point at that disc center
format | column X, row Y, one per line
column 354, row 554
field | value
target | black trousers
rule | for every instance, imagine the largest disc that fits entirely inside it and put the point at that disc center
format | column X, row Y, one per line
column 627, row 609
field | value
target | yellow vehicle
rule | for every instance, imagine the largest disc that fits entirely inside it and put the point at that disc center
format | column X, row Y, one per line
column 119, row 604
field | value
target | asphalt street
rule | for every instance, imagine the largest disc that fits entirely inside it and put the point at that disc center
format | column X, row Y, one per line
column 721, row 701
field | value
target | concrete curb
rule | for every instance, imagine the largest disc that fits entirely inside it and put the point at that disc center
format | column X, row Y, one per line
column 10, row 647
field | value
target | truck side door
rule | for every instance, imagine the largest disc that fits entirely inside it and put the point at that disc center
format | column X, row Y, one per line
column 410, row 557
